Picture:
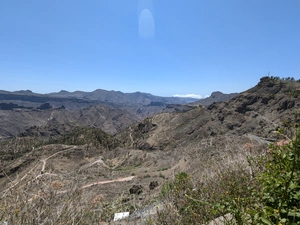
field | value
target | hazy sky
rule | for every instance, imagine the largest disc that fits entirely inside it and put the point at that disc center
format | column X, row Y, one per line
column 163, row 47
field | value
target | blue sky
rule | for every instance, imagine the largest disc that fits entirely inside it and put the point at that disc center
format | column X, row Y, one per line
column 157, row 46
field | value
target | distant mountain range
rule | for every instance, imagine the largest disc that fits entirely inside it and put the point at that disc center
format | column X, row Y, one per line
column 79, row 99
column 119, row 98
column 111, row 111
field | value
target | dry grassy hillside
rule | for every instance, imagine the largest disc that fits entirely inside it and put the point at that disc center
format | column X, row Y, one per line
column 83, row 174
column 257, row 111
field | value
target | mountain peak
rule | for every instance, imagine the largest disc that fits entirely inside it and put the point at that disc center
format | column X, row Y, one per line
column 216, row 94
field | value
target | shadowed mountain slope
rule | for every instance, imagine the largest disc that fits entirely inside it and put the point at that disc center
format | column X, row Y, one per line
column 107, row 118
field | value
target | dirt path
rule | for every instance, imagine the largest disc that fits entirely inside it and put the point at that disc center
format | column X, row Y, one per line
column 101, row 162
column 45, row 160
column 108, row 181
column 130, row 136
column 122, row 179
column 17, row 181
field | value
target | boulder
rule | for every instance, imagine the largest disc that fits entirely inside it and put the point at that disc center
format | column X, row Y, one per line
column 136, row 190
column 153, row 184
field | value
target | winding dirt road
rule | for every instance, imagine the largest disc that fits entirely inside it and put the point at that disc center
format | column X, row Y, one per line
column 43, row 173
column 108, row 181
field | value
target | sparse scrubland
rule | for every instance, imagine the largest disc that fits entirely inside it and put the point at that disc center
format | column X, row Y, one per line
column 265, row 191
column 238, row 161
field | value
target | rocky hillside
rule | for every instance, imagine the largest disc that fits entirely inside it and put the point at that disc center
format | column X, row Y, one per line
column 109, row 119
column 132, row 159
column 257, row 111
column 22, row 109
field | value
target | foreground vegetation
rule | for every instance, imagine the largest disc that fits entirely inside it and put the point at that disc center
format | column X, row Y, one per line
column 267, row 191
column 54, row 203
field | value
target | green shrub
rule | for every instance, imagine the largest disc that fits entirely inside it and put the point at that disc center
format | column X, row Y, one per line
column 279, row 198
